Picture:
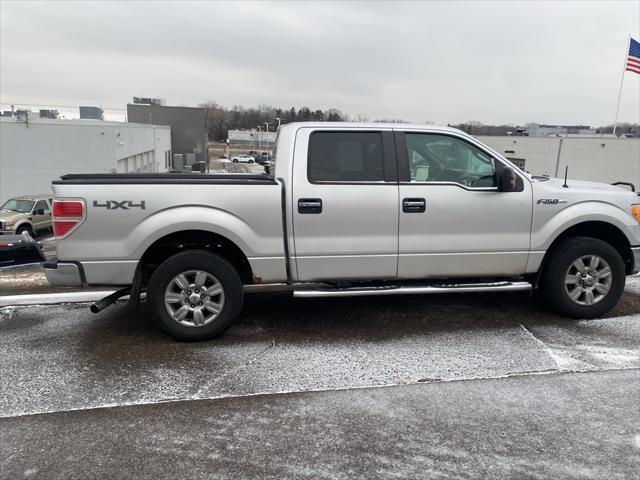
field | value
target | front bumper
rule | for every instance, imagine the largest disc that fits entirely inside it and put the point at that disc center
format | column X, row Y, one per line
column 636, row 259
column 64, row 274
column 7, row 232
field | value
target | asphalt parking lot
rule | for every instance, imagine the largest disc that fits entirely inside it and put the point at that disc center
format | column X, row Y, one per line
column 442, row 386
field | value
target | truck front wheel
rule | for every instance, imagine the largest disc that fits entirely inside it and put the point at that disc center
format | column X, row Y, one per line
column 25, row 229
column 195, row 295
column 583, row 278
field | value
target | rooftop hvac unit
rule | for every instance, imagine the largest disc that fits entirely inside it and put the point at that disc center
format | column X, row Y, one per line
column 178, row 161
column 91, row 113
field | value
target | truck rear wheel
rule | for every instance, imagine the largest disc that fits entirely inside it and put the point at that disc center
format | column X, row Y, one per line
column 195, row 295
column 584, row 277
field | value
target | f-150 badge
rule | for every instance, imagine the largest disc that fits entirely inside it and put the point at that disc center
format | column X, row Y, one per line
column 550, row 201
column 115, row 205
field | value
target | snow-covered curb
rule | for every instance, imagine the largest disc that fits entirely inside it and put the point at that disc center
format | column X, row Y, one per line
column 53, row 298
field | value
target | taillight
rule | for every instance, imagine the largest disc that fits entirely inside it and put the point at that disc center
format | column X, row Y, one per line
column 67, row 216
column 73, row 209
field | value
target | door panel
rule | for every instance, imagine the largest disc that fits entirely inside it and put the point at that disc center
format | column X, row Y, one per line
column 41, row 222
column 343, row 229
column 463, row 231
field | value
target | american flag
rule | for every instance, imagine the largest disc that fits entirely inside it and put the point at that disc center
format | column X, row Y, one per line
column 633, row 59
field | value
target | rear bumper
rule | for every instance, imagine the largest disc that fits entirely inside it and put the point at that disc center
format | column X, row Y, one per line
column 67, row 273
column 636, row 259
column 64, row 274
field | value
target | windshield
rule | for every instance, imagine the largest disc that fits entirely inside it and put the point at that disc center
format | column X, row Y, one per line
column 16, row 205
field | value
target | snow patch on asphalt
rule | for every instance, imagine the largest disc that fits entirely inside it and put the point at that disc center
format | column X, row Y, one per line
column 613, row 356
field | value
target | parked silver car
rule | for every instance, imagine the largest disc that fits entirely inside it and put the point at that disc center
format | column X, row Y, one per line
column 243, row 158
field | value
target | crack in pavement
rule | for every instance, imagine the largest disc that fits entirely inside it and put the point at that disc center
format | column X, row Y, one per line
column 240, row 367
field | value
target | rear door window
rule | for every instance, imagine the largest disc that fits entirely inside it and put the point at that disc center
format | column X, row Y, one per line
column 345, row 157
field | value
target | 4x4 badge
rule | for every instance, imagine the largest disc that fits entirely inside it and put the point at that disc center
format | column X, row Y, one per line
column 115, row 205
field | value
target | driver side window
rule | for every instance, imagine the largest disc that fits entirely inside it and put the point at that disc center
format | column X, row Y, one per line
column 442, row 158
column 41, row 205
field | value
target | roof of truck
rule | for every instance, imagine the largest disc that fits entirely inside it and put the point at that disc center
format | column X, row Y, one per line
column 34, row 196
column 399, row 126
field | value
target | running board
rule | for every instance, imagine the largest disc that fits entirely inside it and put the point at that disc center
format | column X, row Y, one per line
column 417, row 289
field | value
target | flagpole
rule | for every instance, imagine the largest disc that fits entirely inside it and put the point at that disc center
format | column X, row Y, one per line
column 624, row 67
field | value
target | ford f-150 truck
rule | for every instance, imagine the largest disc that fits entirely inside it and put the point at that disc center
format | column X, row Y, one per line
column 349, row 209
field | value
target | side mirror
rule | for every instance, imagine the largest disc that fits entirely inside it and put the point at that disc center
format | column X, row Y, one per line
column 40, row 211
column 508, row 180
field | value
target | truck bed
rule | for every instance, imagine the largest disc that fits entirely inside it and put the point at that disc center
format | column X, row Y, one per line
column 127, row 213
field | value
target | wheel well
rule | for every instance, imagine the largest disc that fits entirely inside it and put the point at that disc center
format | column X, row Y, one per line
column 602, row 231
column 24, row 224
column 176, row 242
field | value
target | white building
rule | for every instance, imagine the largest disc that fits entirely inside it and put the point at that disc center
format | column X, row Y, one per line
column 35, row 151
column 537, row 130
column 598, row 159
column 252, row 138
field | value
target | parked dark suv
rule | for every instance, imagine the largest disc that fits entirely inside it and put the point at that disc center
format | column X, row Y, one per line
column 264, row 158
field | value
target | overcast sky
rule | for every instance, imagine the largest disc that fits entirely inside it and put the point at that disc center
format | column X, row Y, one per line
column 444, row 62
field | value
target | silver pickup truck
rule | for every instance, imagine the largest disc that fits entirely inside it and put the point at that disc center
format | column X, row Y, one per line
column 350, row 209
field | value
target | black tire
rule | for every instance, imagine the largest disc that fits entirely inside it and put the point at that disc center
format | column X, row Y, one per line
column 558, row 264
column 199, row 260
column 235, row 160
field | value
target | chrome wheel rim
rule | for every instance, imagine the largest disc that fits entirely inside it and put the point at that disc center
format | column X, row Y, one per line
column 194, row 298
column 588, row 280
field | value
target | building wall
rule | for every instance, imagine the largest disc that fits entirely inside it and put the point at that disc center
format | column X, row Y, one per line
column 33, row 155
column 599, row 159
column 252, row 138
column 188, row 125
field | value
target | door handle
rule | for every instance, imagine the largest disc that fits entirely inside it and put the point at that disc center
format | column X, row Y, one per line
column 414, row 205
column 310, row 205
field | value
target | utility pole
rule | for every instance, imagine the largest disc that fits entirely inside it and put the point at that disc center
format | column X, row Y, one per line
column 259, row 137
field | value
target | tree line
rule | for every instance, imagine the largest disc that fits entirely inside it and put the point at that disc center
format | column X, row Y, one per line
column 221, row 120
